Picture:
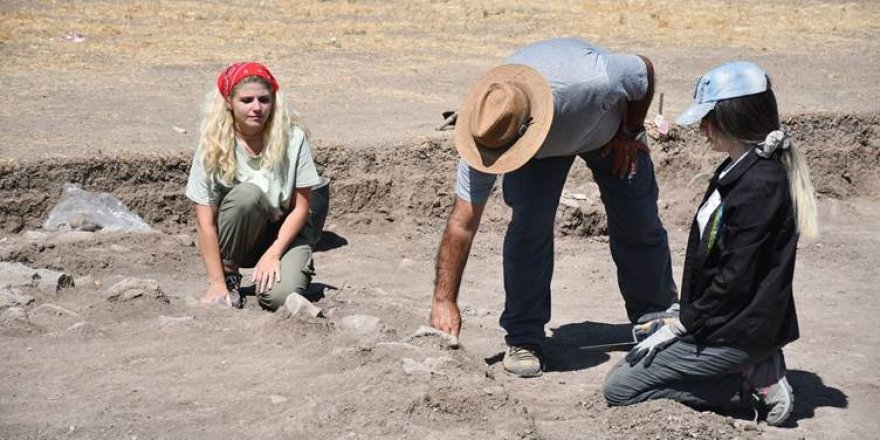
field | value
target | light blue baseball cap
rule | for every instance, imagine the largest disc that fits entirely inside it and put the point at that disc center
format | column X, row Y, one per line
column 739, row 78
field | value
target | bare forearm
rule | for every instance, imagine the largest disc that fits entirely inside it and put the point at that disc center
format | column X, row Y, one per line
column 455, row 246
column 294, row 222
column 451, row 260
column 291, row 227
column 209, row 244
column 636, row 111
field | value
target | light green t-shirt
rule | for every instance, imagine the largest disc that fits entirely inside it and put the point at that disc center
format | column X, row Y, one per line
column 277, row 182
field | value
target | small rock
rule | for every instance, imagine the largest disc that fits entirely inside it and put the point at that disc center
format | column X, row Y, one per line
column 165, row 321
column 12, row 297
column 406, row 263
column 54, row 310
column 299, row 305
column 178, row 130
column 119, row 248
column 14, row 317
column 90, row 282
column 276, row 399
column 74, row 237
column 438, row 363
column 445, row 339
column 362, row 324
column 413, row 367
column 19, row 275
column 186, row 240
column 85, row 328
column 35, row 235
column 131, row 288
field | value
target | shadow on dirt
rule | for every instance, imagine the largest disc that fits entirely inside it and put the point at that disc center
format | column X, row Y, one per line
column 330, row 241
column 810, row 393
column 565, row 350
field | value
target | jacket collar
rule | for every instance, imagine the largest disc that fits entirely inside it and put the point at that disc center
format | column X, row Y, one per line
column 737, row 171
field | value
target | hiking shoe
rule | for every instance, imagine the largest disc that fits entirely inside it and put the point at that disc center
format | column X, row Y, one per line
column 233, row 285
column 523, row 360
column 773, row 394
column 777, row 401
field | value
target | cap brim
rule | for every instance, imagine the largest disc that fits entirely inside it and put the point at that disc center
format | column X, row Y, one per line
column 500, row 161
column 695, row 113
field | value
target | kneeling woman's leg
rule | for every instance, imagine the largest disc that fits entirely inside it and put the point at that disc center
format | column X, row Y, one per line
column 297, row 270
column 700, row 377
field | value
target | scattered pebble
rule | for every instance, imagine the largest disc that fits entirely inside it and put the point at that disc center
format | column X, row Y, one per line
column 445, row 339
column 299, row 305
column 131, row 288
column 362, row 324
column 276, row 399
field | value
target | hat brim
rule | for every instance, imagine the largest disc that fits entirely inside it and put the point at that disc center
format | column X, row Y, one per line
column 502, row 160
column 695, row 113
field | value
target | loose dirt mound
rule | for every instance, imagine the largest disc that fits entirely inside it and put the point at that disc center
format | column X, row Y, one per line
column 412, row 184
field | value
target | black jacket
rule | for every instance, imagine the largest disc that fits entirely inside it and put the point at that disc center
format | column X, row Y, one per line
column 737, row 281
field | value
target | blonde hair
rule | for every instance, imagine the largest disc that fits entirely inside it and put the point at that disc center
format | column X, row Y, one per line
column 748, row 119
column 217, row 134
column 803, row 195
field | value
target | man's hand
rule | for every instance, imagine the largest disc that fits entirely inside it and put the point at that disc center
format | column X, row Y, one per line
column 216, row 294
column 625, row 152
column 445, row 316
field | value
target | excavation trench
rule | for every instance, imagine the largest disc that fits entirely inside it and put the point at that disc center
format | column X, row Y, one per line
column 410, row 185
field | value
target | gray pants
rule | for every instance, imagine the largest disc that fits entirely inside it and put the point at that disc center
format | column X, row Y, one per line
column 246, row 233
column 700, row 377
column 638, row 241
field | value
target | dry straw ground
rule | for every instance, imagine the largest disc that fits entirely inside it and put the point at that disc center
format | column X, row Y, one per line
column 187, row 32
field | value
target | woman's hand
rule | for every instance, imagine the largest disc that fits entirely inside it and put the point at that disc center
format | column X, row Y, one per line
column 267, row 272
column 216, row 294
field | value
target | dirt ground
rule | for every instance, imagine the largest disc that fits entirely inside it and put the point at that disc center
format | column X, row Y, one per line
column 118, row 112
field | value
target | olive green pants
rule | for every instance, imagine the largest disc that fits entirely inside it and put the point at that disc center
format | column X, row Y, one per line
column 246, row 233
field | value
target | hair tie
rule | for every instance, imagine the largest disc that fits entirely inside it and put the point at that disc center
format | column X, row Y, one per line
column 775, row 140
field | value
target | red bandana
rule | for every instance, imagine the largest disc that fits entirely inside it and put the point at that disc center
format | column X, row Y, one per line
column 236, row 72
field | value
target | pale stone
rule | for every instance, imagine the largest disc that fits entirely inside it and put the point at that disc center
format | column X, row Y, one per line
column 184, row 240
column 19, row 275
column 12, row 297
column 131, row 288
column 413, row 367
column 299, row 305
column 447, row 340
column 85, row 328
column 406, row 263
column 74, row 237
column 165, row 321
column 35, row 235
column 276, row 399
column 14, row 317
column 362, row 324
column 55, row 310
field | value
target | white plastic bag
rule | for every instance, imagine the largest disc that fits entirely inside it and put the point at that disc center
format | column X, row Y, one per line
column 78, row 207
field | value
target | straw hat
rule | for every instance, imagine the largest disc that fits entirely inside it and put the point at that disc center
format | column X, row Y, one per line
column 504, row 118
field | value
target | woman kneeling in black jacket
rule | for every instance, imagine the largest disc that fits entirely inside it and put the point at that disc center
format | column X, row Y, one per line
column 737, row 306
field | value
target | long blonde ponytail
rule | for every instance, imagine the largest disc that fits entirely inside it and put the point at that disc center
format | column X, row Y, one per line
column 802, row 193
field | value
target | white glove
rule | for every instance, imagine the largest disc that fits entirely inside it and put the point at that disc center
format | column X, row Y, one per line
column 665, row 336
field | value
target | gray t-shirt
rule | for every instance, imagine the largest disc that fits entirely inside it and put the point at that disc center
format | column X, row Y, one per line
column 277, row 183
column 590, row 89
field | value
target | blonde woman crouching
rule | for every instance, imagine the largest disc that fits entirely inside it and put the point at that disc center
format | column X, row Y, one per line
column 250, row 182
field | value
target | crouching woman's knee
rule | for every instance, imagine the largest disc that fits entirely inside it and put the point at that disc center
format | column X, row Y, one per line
column 297, row 271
